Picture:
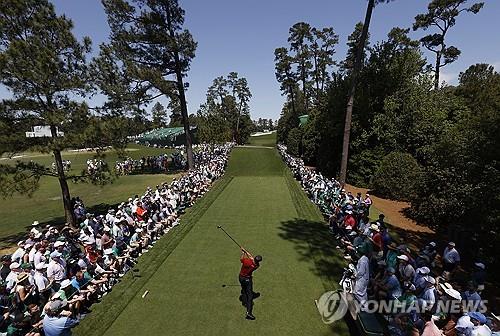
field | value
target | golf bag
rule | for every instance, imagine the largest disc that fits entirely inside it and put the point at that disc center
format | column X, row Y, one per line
column 348, row 279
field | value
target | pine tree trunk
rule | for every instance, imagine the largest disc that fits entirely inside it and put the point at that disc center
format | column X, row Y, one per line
column 61, row 176
column 185, row 120
column 182, row 95
column 352, row 92
column 437, row 67
column 292, row 98
column 238, row 122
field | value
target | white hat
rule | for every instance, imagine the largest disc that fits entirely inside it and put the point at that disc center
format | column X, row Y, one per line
column 108, row 251
column 14, row 265
column 82, row 263
column 448, row 289
column 423, row 270
column 451, row 244
column 65, row 283
column 480, row 265
column 40, row 266
column 58, row 243
column 374, row 227
column 433, row 244
column 403, row 257
column 430, row 279
column 35, row 223
column 464, row 322
column 138, row 230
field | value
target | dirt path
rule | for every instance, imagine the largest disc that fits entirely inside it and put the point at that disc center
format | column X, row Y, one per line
column 393, row 211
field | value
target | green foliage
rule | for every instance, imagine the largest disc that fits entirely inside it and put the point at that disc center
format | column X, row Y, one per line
column 159, row 115
column 213, row 129
column 303, row 71
column 442, row 15
column 227, row 103
column 397, row 175
column 310, row 140
column 148, row 56
column 293, row 141
column 45, row 69
column 353, row 42
column 462, row 182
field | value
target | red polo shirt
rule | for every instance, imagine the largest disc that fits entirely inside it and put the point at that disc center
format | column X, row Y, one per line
column 247, row 267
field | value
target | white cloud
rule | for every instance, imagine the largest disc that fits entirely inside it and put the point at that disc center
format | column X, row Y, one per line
column 450, row 78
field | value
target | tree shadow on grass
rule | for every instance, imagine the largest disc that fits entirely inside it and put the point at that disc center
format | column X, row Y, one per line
column 315, row 245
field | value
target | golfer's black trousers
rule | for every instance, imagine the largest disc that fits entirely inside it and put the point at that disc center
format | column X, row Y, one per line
column 247, row 292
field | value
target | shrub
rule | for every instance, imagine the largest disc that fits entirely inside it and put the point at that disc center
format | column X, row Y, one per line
column 397, row 175
column 293, row 141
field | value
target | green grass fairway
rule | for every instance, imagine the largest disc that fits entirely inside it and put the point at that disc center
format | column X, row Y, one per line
column 260, row 204
column 268, row 140
column 19, row 211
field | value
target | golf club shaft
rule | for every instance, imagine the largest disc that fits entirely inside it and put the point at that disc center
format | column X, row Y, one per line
column 230, row 237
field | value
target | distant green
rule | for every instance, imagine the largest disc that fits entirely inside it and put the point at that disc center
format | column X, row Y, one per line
column 268, row 140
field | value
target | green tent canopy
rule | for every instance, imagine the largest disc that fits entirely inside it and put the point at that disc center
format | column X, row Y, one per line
column 303, row 119
column 166, row 136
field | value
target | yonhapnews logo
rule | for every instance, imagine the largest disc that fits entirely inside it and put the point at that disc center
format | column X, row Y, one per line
column 332, row 306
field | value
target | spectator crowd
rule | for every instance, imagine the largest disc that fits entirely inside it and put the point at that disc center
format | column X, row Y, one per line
column 429, row 289
column 49, row 283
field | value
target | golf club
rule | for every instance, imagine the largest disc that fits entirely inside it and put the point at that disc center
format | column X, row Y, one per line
column 224, row 285
column 220, row 227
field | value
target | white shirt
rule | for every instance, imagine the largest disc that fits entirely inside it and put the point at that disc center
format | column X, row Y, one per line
column 482, row 330
column 40, row 280
column 362, row 279
column 18, row 255
column 451, row 255
column 31, row 255
column 56, row 270
column 11, row 280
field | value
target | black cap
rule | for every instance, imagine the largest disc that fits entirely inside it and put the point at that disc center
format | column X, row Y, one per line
column 258, row 258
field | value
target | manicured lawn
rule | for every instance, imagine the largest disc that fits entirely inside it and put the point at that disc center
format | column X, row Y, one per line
column 19, row 211
column 261, row 205
column 268, row 140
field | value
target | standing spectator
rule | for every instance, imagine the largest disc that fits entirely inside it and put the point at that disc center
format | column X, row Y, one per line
column 451, row 259
column 368, row 203
column 362, row 277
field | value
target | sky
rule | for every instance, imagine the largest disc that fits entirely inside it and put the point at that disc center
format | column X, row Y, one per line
column 241, row 36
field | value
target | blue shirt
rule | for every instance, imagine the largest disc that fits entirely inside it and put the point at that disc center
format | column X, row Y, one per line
column 393, row 287
column 58, row 326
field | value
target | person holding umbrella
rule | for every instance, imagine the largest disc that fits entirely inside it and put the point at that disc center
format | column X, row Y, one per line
column 249, row 264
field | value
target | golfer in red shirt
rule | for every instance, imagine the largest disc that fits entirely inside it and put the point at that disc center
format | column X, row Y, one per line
column 248, row 265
